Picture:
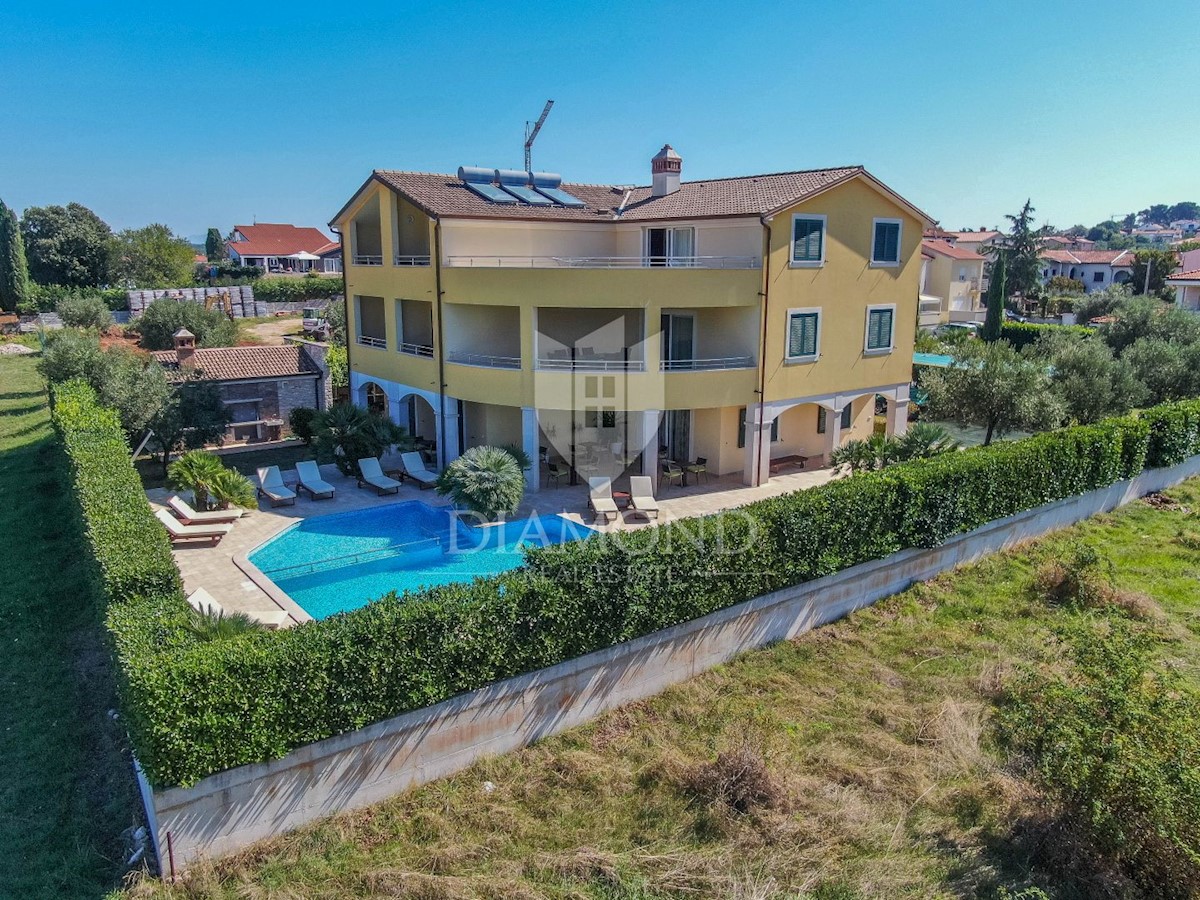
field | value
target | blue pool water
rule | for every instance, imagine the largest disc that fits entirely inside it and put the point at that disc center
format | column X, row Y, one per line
column 330, row 564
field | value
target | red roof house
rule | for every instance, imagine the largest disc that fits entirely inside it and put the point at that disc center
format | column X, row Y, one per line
column 284, row 248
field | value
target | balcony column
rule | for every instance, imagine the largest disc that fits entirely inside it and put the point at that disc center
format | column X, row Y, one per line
column 648, row 439
column 833, row 430
column 758, row 445
column 531, row 445
column 449, row 415
column 897, row 412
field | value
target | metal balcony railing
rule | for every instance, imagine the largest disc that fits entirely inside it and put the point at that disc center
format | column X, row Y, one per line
column 591, row 364
column 411, row 260
column 604, row 262
column 707, row 365
column 484, row 360
column 361, row 259
column 423, row 350
column 368, row 341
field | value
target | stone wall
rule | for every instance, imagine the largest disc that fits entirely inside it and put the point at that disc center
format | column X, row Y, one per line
column 232, row 809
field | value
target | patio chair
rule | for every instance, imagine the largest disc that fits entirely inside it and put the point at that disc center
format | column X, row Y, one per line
column 271, row 486
column 555, row 473
column 414, row 468
column 177, row 531
column 189, row 516
column 671, row 473
column 373, row 475
column 641, row 496
column 203, row 602
column 698, row 468
column 600, row 498
column 308, row 477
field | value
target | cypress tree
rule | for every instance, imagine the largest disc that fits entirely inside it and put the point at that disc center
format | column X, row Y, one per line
column 995, row 299
column 14, row 271
column 214, row 247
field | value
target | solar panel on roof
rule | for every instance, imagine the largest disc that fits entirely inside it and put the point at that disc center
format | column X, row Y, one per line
column 528, row 194
column 490, row 192
column 561, row 196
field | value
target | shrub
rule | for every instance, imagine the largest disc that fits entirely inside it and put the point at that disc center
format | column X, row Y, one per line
column 301, row 421
column 1116, row 739
column 296, row 290
column 231, row 488
column 215, row 626
column 486, row 480
column 196, row 471
column 737, row 779
column 1061, row 284
column 162, row 318
column 1021, row 334
column 198, row 707
column 85, row 312
column 1174, row 432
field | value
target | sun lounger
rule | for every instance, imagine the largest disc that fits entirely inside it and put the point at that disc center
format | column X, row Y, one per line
column 414, row 468
column 203, row 602
column 308, row 477
column 641, row 495
column 189, row 516
column 600, row 498
column 373, row 475
column 177, row 531
column 271, row 486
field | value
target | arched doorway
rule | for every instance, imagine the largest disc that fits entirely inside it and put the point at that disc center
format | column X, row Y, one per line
column 375, row 398
column 418, row 417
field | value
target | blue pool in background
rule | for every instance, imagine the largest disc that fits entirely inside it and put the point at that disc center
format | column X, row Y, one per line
column 330, row 564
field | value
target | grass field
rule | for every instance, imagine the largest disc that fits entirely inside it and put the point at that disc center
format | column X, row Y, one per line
column 876, row 735
column 67, row 792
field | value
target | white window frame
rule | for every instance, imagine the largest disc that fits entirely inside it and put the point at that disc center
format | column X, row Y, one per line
column 887, row 263
column 808, row 263
column 878, row 351
column 807, row 358
column 672, row 261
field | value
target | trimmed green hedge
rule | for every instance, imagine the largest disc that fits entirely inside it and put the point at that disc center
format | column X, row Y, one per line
column 282, row 290
column 195, row 708
column 1021, row 334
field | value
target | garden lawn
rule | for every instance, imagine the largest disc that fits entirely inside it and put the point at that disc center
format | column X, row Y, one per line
column 67, row 791
column 876, row 732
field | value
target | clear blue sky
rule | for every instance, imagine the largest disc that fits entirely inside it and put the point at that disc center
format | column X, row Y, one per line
column 151, row 113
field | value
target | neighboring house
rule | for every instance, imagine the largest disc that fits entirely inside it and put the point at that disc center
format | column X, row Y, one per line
column 1186, row 227
column 612, row 327
column 1097, row 269
column 284, row 249
column 975, row 241
column 951, row 283
column 1157, row 234
column 1067, row 242
column 1189, row 260
column 259, row 385
column 1187, row 289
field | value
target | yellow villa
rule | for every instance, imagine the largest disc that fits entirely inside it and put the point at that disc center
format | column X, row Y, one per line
column 737, row 325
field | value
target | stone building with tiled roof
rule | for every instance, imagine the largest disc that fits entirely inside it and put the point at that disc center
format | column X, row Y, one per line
column 739, row 325
column 260, row 386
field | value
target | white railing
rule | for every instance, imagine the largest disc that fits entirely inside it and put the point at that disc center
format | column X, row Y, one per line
column 707, row 365
column 415, row 349
column 367, row 260
column 485, row 360
column 592, row 364
column 410, row 260
column 604, row 262
column 367, row 341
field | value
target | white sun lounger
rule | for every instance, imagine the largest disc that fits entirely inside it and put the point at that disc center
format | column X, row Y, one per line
column 203, row 602
column 641, row 495
column 308, row 476
column 373, row 475
column 414, row 468
column 189, row 516
column 600, row 498
column 177, row 531
column 271, row 486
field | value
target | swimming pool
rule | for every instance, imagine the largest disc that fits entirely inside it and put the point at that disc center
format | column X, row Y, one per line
column 330, row 564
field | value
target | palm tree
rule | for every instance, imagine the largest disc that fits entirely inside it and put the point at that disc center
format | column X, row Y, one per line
column 232, row 488
column 214, row 626
column 196, row 471
column 486, row 480
column 349, row 433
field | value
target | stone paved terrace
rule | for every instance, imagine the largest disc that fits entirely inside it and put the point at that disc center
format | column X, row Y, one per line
column 215, row 569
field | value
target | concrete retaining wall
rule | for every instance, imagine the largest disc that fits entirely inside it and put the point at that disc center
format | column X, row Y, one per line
column 231, row 809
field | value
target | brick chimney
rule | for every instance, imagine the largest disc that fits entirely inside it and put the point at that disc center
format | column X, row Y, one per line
column 665, row 168
column 185, row 346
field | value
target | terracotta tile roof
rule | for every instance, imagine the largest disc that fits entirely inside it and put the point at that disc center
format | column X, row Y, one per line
column 240, row 363
column 945, row 248
column 277, row 240
column 1118, row 258
column 751, row 195
column 973, row 237
column 1193, row 275
column 331, row 247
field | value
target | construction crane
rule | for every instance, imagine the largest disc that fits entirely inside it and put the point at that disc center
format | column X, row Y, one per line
column 531, row 133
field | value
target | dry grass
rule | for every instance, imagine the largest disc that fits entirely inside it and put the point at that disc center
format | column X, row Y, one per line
column 861, row 754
